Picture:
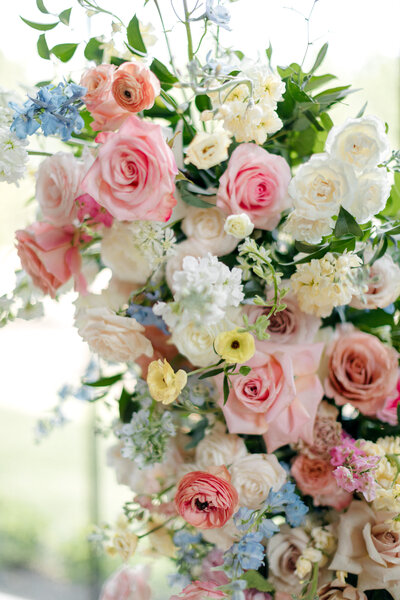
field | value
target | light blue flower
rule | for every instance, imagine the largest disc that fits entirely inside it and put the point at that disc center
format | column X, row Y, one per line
column 244, row 518
column 286, row 500
column 185, row 538
column 295, row 512
column 268, row 528
column 218, row 14
column 246, row 554
column 145, row 316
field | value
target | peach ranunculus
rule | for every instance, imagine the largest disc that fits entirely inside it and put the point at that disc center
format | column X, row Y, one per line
column 133, row 176
column 200, row 590
column 57, row 186
column 383, row 284
column 369, row 546
column 361, row 370
column 126, row 584
column 206, row 499
column 280, row 395
column 99, row 100
column 135, row 87
column 50, row 256
column 314, row 477
column 255, row 183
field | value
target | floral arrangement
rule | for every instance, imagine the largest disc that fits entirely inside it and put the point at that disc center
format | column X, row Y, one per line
column 236, row 264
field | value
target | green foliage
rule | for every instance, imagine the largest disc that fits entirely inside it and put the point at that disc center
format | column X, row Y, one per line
column 64, row 52
column 392, row 208
column 93, row 51
column 104, row 381
column 346, row 224
column 135, row 40
column 257, row 581
column 40, row 26
column 197, row 433
column 42, row 47
column 41, row 7
column 65, row 16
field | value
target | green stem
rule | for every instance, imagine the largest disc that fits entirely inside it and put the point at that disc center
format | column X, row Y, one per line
column 171, row 57
column 156, row 528
column 314, row 583
column 188, row 31
column 39, row 153
column 203, row 369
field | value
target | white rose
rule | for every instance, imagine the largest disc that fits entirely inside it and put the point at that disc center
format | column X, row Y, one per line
column 191, row 247
column 361, row 143
column 120, row 252
column 254, row 476
column 307, row 230
column 370, row 196
column 208, row 149
column 206, row 226
column 283, row 551
column 239, row 226
column 114, row 338
column 383, row 284
column 219, row 448
column 320, row 186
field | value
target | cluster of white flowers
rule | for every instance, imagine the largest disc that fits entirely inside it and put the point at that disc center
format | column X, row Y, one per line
column 324, row 283
column 13, row 156
column 248, row 107
column 324, row 544
column 347, row 175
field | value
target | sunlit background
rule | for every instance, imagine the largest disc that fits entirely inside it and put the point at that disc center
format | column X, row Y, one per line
column 50, row 493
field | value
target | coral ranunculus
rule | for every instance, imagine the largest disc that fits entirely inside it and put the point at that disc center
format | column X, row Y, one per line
column 206, row 500
column 135, row 87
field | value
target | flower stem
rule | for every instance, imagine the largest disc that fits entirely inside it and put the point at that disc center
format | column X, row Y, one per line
column 39, row 153
column 156, row 528
column 188, row 32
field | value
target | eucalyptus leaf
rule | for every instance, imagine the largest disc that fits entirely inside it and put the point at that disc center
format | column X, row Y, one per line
column 320, row 58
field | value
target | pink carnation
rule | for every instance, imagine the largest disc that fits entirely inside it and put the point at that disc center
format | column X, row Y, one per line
column 199, row 590
column 133, row 176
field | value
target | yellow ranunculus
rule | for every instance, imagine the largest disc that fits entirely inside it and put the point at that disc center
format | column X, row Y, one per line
column 165, row 385
column 235, row 347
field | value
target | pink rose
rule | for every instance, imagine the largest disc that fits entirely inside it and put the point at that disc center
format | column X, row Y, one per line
column 50, row 255
column 314, row 477
column 100, row 102
column 126, row 584
column 206, row 499
column 280, row 395
column 255, row 183
column 388, row 413
column 91, row 212
column 200, row 590
column 361, row 371
column 133, row 176
column 57, row 186
column 135, row 87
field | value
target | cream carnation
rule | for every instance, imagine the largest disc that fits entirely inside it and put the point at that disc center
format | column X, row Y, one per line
column 206, row 226
column 239, row 226
column 208, row 149
column 254, row 476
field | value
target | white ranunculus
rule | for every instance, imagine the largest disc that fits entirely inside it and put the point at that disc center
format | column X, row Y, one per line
column 308, row 230
column 383, row 284
column 206, row 226
column 219, row 448
column 321, row 186
column 361, row 143
column 254, row 476
column 208, row 149
column 370, row 196
column 190, row 247
column 239, row 226
column 120, row 252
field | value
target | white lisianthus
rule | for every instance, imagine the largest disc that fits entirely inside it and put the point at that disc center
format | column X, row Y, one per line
column 370, row 196
column 383, row 284
column 307, row 230
column 254, row 475
column 219, row 448
column 361, row 143
column 208, row 149
column 321, row 186
column 206, row 226
column 13, row 156
column 239, row 226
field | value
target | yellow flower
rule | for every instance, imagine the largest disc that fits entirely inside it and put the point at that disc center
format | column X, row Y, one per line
column 123, row 543
column 235, row 347
column 165, row 385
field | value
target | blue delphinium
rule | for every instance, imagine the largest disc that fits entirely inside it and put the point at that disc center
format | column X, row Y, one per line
column 286, row 500
column 246, row 554
column 55, row 109
column 145, row 316
column 218, row 14
column 186, row 546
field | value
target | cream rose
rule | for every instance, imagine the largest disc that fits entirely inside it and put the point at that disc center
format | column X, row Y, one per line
column 208, row 149
column 383, row 284
column 206, row 227
column 114, row 338
column 283, row 551
column 120, row 252
column 370, row 196
column 254, row 476
column 239, row 226
column 219, row 448
column 361, row 143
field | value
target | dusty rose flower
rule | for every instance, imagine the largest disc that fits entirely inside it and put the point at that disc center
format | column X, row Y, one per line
column 127, row 584
column 283, row 550
column 253, row 594
column 337, row 590
column 315, row 478
column 135, row 87
column 200, row 590
column 206, row 500
column 327, row 433
column 50, row 256
column 383, row 285
column 255, row 183
column 361, row 371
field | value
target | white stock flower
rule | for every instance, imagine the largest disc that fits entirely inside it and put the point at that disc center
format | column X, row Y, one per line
column 219, row 448
column 370, row 195
column 13, row 156
column 239, row 226
column 206, row 226
column 307, row 230
column 208, row 149
column 383, row 284
column 254, row 475
column 189, row 247
column 361, row 143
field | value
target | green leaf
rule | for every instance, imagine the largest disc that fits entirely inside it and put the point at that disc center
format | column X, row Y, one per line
column 163, row 74
column 211, row 373
column 307, row 248
column 244, row 370
column 134, row 36
column 40, row 26
column 93, row 51
column 326, row 121
column 197, row 433
column 268, row 52
column 41, row 7
column 203, row 102
column 392, row 208
column 398, row 413
column 346, row 224
column 317, row 80
column 65, row 16
column 104, row 381
column 333, row 95
column 362, row 110
column 64, row 51
column 320, row 58
column 226, row 389
column 127, row 406
column 42, row 47
column 257, row 581
column 191, row 199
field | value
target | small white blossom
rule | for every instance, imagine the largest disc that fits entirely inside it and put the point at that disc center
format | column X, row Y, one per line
column 240, row 226
column 13, row 156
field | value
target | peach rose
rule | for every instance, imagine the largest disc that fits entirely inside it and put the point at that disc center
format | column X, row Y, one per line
column 50, row 256
column 100, row 102
column 133, row 176
column 206, row 499
column 383, row 284
column 280, row 395
column 314, row 477
column 127, row 583
column 200, row 590
column 361, row 371
column 255, row 183
column 135, row 87
column 369, row 546
column 57, row 186
column 337, row 590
